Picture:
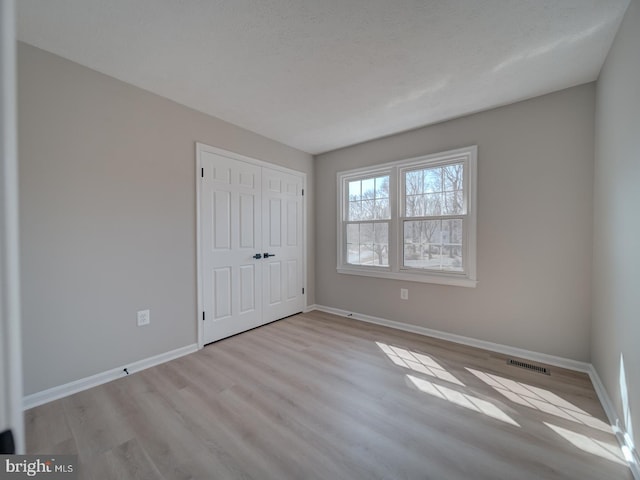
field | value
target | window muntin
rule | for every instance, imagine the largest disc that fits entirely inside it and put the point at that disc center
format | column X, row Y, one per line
column 411, row 220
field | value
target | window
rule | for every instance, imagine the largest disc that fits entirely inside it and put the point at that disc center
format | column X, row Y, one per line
column 368, row 221
column 411, row 220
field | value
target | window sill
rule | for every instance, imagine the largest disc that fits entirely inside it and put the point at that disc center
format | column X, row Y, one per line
column 453, row 280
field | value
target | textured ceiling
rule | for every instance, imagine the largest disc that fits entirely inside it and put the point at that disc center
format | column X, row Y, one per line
column 323, row 74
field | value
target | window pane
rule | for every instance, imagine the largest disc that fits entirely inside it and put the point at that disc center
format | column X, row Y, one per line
column 368, row 188
column 434, row 191
column 381, row 209
column 354, row 190
column 353, row 234
column 453, row 203
column 413, row 183
column 368, row 244
column 381, row 233
column 366, row 233
column 355, row 209
column 434, row 244
column 413, row 204
column 366, row 254
column 382, row 187
column 381, row 244
column 432, row 204
column 452, row 177
column 432, row 179
column 368, row 213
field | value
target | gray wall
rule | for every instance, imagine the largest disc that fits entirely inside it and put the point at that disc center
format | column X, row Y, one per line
column 535, row 174
column 107, row 205
column 616, row 297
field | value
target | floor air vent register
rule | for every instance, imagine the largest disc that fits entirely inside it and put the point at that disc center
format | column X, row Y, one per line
column 529, row 366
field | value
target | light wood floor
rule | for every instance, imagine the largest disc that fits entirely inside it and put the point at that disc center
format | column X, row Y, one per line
column 316, row 396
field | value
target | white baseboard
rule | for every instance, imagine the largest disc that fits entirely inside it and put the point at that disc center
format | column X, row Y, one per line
column 310, row 308
column 614, row 420
column 603, row 396
column 452, row 337
column 45, row 396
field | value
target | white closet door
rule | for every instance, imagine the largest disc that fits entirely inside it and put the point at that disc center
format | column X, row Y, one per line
column 252, row 246
column 231, row 235
column 282, row 233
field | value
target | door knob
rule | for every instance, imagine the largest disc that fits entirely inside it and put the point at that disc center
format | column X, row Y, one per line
column 267, row 255
column 257, row 256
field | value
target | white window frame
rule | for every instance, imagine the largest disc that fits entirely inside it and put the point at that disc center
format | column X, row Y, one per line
column 468, row 157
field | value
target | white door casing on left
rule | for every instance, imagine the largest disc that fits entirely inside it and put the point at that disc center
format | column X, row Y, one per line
column 10, row 342
column 250, row 233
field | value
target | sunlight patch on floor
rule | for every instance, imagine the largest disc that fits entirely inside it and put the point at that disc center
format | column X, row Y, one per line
column 463, row 399
column 418, row 362
column 590, row 445
column 540, row 399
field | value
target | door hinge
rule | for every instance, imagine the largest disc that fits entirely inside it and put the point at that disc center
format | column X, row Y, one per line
column 303, row 192
column 303, row 290
column 202, row 172
column 202, row 315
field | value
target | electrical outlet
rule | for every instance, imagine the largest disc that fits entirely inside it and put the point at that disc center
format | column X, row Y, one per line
column 144, row 318
column 404, row 293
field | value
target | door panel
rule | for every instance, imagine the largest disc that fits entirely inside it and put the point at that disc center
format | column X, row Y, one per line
column 247, row 288
column 292, row 272
column 222, row 292
column 282, row 223
column 222, row 224
column 274, row 281
column 274, row 222
column 230, row 226
column 247, row 221
column 292, row 223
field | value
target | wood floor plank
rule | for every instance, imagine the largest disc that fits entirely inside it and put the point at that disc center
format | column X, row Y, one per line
column 317, row 396
column 48, row 428
column 96, row 425
column 127, row 461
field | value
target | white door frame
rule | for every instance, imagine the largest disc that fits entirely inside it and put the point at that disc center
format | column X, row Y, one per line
column 201, row 147
column 11, row 416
